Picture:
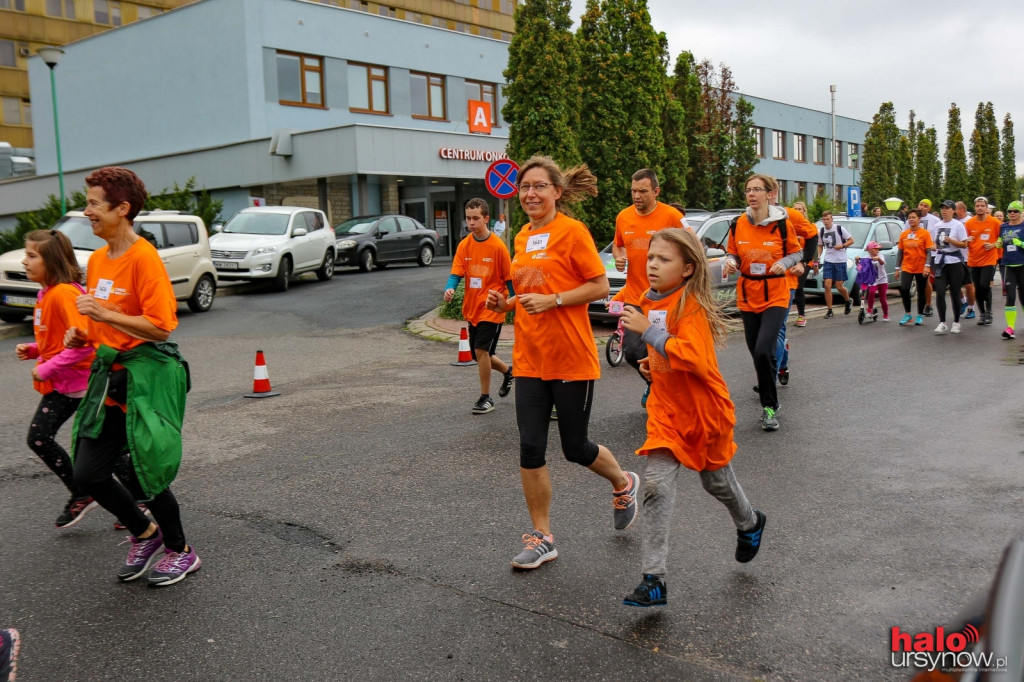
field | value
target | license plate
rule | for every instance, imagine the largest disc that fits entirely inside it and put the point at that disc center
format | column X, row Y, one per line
column 20, row 301
column 225, row 265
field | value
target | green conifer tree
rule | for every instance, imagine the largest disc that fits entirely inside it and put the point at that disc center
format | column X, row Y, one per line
column 881, row 149
column 1008, row 166
column 955, row 186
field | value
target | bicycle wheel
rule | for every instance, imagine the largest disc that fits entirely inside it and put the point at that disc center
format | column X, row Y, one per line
column 613, row 350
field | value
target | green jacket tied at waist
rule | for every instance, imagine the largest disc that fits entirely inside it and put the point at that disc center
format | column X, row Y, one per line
column 158, row 379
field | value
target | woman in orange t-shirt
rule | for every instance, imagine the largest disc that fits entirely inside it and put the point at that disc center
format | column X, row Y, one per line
column 60, row 374
column 556, row 273
column 915, row 247
column 690, row 417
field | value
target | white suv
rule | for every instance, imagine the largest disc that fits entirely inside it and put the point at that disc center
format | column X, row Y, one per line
column 274, row 242
column 181, row 240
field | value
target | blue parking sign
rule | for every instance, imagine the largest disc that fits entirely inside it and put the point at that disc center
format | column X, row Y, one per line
column 853, row 202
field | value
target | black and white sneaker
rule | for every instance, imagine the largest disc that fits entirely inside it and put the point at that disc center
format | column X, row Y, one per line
column 651, row 592
column 75, row 510
column 829, row 315
column 506, row 383
column 849, row 306
column 928, row 312
column 749, row 541
column 484, row 405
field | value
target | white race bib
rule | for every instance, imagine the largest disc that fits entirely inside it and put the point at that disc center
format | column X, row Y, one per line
column 758, row 268
column 537, row 242
column 103, row 288
column 476, row 283
column 1011, row 247
column 984, row 236
column 657, row 318
column 39, row 317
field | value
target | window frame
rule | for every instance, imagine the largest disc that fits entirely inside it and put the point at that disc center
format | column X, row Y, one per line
column 852, row 148
column 779, row 145
column 62, row 7
column 432, row 80
column 15, row 5
column 759, row 141
column 837, row 153
column 370, row 79
column 13, row 53
column 110, row 5
column 303, row 69
column 800, row 147
column 482, row 86
column 819, row 151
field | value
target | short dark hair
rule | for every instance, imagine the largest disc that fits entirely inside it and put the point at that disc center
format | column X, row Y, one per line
column 119, row 185
column 679, row 207
column 825, row 213
column 646, row 174
column 916, row 211
column 58, row 256
column 477, row 202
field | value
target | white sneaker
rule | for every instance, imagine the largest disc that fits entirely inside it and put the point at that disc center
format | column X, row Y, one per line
column 942, row 328
column 956, row 328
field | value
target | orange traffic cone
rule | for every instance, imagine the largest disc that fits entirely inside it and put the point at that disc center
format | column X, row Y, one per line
column 465, row 354
column 261, row 380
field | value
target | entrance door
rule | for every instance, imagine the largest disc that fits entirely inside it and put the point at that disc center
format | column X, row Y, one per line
column 416, row 209
column 447, row 224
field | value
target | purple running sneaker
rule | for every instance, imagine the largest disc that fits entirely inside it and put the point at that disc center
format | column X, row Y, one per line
column 174, row 567
column 141, row 556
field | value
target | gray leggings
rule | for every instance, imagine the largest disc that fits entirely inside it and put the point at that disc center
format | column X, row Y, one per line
column 660, row 500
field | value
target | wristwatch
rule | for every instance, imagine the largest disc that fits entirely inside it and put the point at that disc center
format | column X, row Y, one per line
column 558, row 300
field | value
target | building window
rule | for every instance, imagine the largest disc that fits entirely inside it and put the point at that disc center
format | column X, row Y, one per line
column 783, row 195
column 854, row 157
column 108, row 12
column 778, row 144
column 759, row 141
column 483, row 92
column 428, row 96
column 13, row 4
column 801, row 190
column 414, row 16
column 7, row 53
column 368, row 89
column 385, row 11
column 800, row 148
column 839, row 199
column 60, row 8
column 508, row 6
column 819, row 150
column 300, row 80
column 820, row 191
column 837, row 154
column 146, row 12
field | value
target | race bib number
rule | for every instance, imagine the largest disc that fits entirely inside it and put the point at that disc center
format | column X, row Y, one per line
column 758, row 269
column 1011, row 247
column 103, row 288
column 657, row 318
column 537, row 242
column 39, row 317
column 476, row 283
column 984, row 236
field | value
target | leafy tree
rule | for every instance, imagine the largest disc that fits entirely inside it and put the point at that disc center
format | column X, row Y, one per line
column 620, row 126
column 542, row 87
column 928, row 180
column 709, row 186
column 186, row 199
column 818, row 205
column 1008, row 181
column 674, row 130
column 920, row 163
column 743, row 156
column 43, row 218
column 881, row 148
column 686, row 91
column 956, row 183
column 904, row 170
column 989, row 147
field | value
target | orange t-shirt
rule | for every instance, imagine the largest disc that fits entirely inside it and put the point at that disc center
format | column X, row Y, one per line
column 984, row 232
column 804, row 229
column 758, row 248
column 915, row 244
column 558, row 343
column 688, row 411
column 135, row 283
column 485, row 265
column 633, row 231
column 55, row 312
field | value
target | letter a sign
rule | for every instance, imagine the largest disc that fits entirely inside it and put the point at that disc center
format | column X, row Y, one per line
column 479, row 117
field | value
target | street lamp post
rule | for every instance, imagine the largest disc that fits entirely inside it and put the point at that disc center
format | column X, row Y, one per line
column 832, row 154
column 52, row 55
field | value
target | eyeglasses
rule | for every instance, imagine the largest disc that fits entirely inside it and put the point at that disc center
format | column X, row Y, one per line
column 536, row 187
column 755, row 190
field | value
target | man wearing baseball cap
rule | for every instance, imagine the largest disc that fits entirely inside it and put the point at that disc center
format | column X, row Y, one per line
column 1011, row 239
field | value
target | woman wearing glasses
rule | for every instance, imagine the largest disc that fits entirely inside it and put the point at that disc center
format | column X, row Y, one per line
column 556, row 272
column 762, row 247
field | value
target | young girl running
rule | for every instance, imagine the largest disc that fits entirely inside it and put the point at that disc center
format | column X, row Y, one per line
column 681, row 325
column 877, row 282
column 60, row 374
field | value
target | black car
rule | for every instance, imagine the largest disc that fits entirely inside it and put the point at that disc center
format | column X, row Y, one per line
column 375, row 241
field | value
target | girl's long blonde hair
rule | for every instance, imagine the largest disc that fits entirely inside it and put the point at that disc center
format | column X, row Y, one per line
column 699, row 283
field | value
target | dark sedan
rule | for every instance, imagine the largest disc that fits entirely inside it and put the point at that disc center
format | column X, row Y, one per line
column 375, row 241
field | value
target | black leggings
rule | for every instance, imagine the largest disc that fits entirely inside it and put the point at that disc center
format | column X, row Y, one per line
column 906, row 280
column 800, row 298
column 534, row 398
column 762, row 333
column 97, row 458
column 952, row 278
column 54, row 409
column 1013, row 280
column 982, row 278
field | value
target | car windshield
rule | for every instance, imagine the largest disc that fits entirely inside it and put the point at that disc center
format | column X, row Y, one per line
column 257, row 223
column 355, row 226
column 79, row 231
column 858, row 230
column 696, row 221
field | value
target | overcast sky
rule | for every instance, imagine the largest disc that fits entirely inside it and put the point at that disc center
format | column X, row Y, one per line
column 791, row 51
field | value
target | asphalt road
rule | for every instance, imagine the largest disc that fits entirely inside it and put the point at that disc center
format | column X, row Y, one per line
column 360, row 525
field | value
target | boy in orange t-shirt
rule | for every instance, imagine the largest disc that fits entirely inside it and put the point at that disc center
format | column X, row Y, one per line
column 482, row 258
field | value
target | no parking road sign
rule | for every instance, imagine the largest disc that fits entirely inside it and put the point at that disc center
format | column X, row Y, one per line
column 501, row 178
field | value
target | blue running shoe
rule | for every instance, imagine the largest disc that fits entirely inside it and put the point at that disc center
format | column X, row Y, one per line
column 906, row 320
column 651, row 592
column 749, row 541
column 918, row 321
column 970, row 314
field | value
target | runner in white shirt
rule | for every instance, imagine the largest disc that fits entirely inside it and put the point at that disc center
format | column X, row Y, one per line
column 947, row 264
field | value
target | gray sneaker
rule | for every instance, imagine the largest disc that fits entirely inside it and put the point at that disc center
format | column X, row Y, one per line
column 506, row 383
column 483, row 406
column 537, row 551
column 625, row 503
column 141, row 556
column 768, row 419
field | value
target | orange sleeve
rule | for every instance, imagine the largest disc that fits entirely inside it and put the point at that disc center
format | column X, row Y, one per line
column 505, row 265
column 618, row 231
column 691, row 345
column 459, row 261
column 156, row 295
column 801, row 225
column 586, row 261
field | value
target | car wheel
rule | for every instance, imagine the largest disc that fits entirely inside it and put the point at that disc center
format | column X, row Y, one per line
column 366, row 260
column 426, row 256
column 284, row 274
column 326, row 270
column 613, row 350
column 13, row 318
column 201, row 299
column 380, row 266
